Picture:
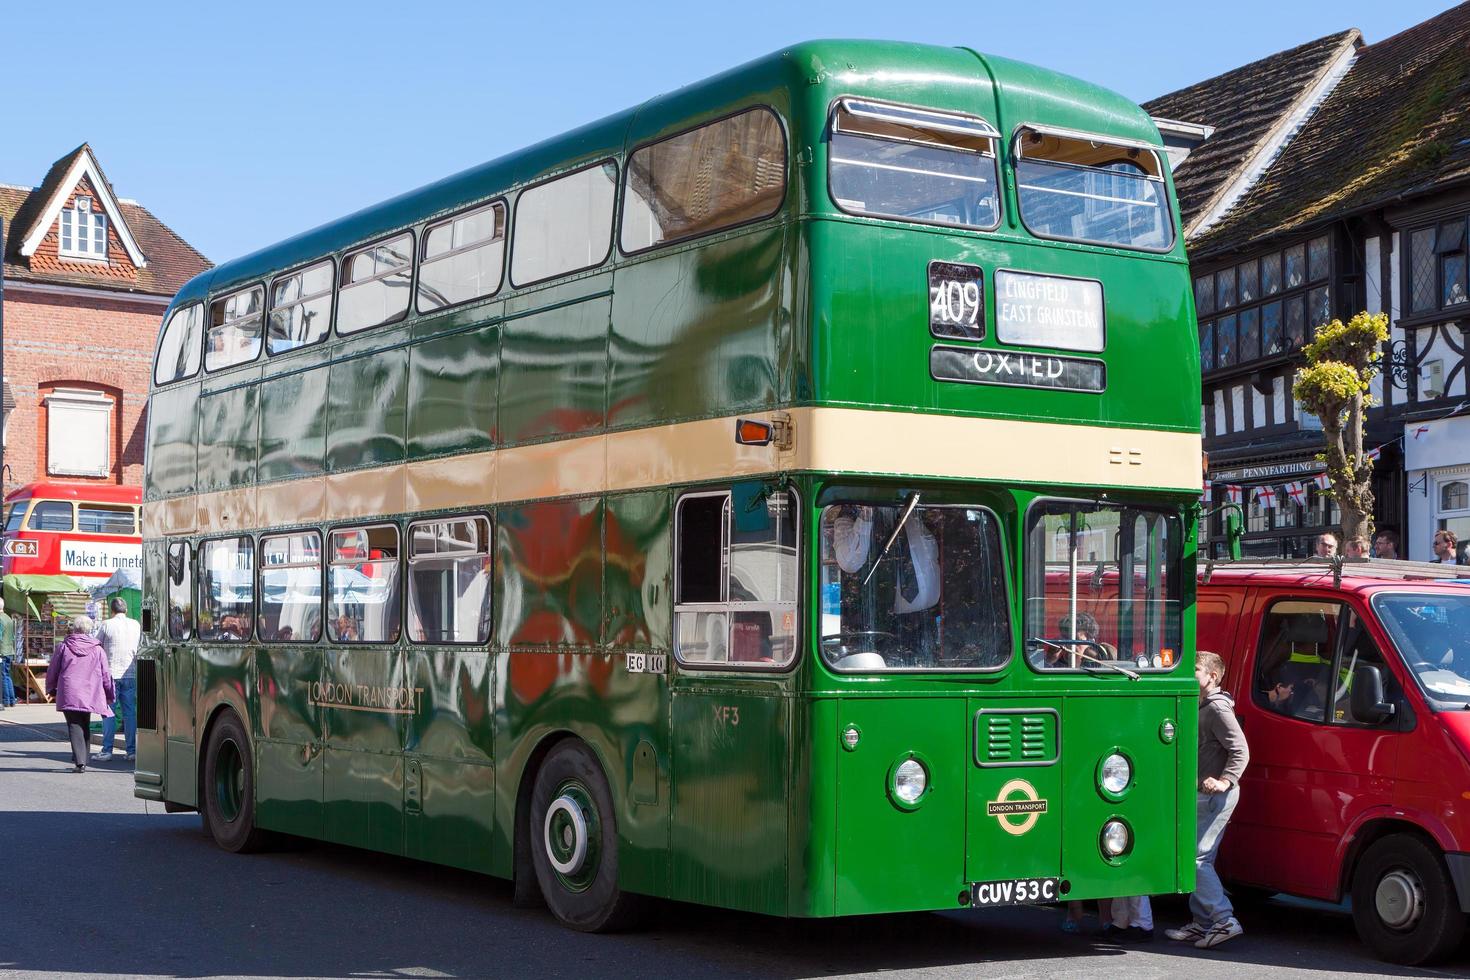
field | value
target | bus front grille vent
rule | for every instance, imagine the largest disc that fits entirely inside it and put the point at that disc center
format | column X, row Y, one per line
column 1010, row 737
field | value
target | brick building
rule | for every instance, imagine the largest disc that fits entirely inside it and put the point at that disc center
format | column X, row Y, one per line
column 87, row 278
column 1335, row 178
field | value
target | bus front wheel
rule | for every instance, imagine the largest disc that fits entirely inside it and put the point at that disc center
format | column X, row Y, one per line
column 1404, row 904
column 228, row 792
column 574, row 842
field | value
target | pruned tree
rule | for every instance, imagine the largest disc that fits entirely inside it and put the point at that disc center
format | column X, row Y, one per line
column 1342, row 361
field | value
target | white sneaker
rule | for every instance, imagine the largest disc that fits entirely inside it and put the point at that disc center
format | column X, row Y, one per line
column 1219, row 933
column 1188, row 933
column 102, row 756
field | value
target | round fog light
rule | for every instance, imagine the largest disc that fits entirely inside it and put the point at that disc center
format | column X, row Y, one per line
column 1115, row 773
column 1115, row 839
column 910, row 780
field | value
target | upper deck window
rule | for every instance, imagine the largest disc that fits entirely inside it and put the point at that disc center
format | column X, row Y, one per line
column 301, row 308
column 234, row 329
column 106, row 519
column 915, row 164
column 463, row 258
column 564, row 225
column 50, row 515
column 1082, row 188
column 723, row 174
column 375, row 285
column 179, row 349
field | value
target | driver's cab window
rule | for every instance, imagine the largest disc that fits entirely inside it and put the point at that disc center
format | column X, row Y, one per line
column 1359, row 650
column 736, row 578
column 1294, row 667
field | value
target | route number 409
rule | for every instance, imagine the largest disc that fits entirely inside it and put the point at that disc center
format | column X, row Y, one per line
column 954, row 303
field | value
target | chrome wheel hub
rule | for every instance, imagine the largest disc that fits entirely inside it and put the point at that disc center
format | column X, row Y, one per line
column 566, row 835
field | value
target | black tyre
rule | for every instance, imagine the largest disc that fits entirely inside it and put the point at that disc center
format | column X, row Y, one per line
column 227, row 795
column 574, row 843
column 1404, row 904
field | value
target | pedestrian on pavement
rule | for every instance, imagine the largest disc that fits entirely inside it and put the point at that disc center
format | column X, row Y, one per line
column 1223, row 756
column 82, row 685
column 119, row 636
column 1355, row 547
column 1326, row 545
column 1445, row 545
column 1386, row 545
column 7, row 647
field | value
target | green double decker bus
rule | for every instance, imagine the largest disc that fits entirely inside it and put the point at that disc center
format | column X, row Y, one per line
column 779, row 496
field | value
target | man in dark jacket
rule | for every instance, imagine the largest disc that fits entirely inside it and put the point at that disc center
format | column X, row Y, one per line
column 1223, row 757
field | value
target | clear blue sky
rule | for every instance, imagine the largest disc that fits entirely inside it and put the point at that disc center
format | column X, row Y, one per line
column 239, row 124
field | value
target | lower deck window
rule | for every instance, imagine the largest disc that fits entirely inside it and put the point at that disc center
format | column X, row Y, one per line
column 227, row 590
column 180, row 590
column 912, row 588
column 291, row 588
column 736, row 583
column 449, row 581
column 362, row 585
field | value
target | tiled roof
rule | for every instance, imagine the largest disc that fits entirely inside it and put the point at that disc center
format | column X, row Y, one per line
column 1245, row 106
column 1397, row 125
column 171, row 261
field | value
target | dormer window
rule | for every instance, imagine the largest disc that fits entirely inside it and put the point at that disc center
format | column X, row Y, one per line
column 83, row 231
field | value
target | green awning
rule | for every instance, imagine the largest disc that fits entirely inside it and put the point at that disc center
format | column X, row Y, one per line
column 25, row 594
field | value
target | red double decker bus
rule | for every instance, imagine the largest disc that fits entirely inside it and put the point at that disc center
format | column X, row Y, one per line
column 87, row 532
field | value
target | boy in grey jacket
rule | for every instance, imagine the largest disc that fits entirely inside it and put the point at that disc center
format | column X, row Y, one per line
column 1223, row 757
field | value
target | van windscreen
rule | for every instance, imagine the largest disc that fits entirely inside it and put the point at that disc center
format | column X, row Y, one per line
column 1432, row 632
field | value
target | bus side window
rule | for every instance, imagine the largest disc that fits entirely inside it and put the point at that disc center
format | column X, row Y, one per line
column 227, row 590
column 735, row 590
column 291, row 588
column 374, row 286
column 50, row 515
column 564, row 225
column 362, row 585
column 180, row 590
column 449, row 581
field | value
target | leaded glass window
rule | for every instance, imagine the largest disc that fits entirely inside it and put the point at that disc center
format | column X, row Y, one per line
column 1421, row 270
column 1296, row 321
column 1273, row 341
column 1225, row 341
column 1450, row 245
column 1248, row 289
column 1250, row 335
column 1454, row 496
column 1296, row 271
column 1271, row 274
column 1319, row 310
column 1317, row 255
column 1224, row 289
column 1204, row 294
column 1206, row 346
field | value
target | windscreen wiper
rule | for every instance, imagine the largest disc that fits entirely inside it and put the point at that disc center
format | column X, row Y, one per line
column 1070, row 646
column 907, row 510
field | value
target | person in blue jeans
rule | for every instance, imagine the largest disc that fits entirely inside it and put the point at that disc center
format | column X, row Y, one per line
column 1223, row 756
column 119, row 636
column 7, row 648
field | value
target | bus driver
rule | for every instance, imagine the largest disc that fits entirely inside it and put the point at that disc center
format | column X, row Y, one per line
column 910, row 570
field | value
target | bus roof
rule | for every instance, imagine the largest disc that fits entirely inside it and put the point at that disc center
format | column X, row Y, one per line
column 100, row 493
column 810, row 70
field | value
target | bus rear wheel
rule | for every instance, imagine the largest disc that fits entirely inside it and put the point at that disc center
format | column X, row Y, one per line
column 228, row 789
column 574, row 842
column 1404, row 904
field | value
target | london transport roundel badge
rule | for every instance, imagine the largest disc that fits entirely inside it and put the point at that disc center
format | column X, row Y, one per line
column 1016, row 807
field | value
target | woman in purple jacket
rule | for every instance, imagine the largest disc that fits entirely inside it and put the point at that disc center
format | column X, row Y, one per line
column 82, row 683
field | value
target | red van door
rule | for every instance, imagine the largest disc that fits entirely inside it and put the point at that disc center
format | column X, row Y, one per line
column 1314, row 767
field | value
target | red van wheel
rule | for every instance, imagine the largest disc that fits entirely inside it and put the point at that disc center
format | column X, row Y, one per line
column 1404, row 904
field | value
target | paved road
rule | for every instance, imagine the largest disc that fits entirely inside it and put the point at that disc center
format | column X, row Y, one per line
column 96, row 883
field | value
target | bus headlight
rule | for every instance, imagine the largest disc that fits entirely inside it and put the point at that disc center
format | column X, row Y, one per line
column 910, row 780
column 1115, row 839
column 1114, row 775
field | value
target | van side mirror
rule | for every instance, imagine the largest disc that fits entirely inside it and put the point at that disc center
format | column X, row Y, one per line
column 1367, row 696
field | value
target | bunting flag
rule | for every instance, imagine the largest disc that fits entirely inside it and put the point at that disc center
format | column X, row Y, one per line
column 1373, row 454
column 1322, row 481
column 1297, row 491
column 1209, row 494
column 1234, row 494
column 1423, row 430
column 1266, row 498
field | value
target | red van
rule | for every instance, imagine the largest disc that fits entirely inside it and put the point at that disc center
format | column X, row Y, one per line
column 1351, row 680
